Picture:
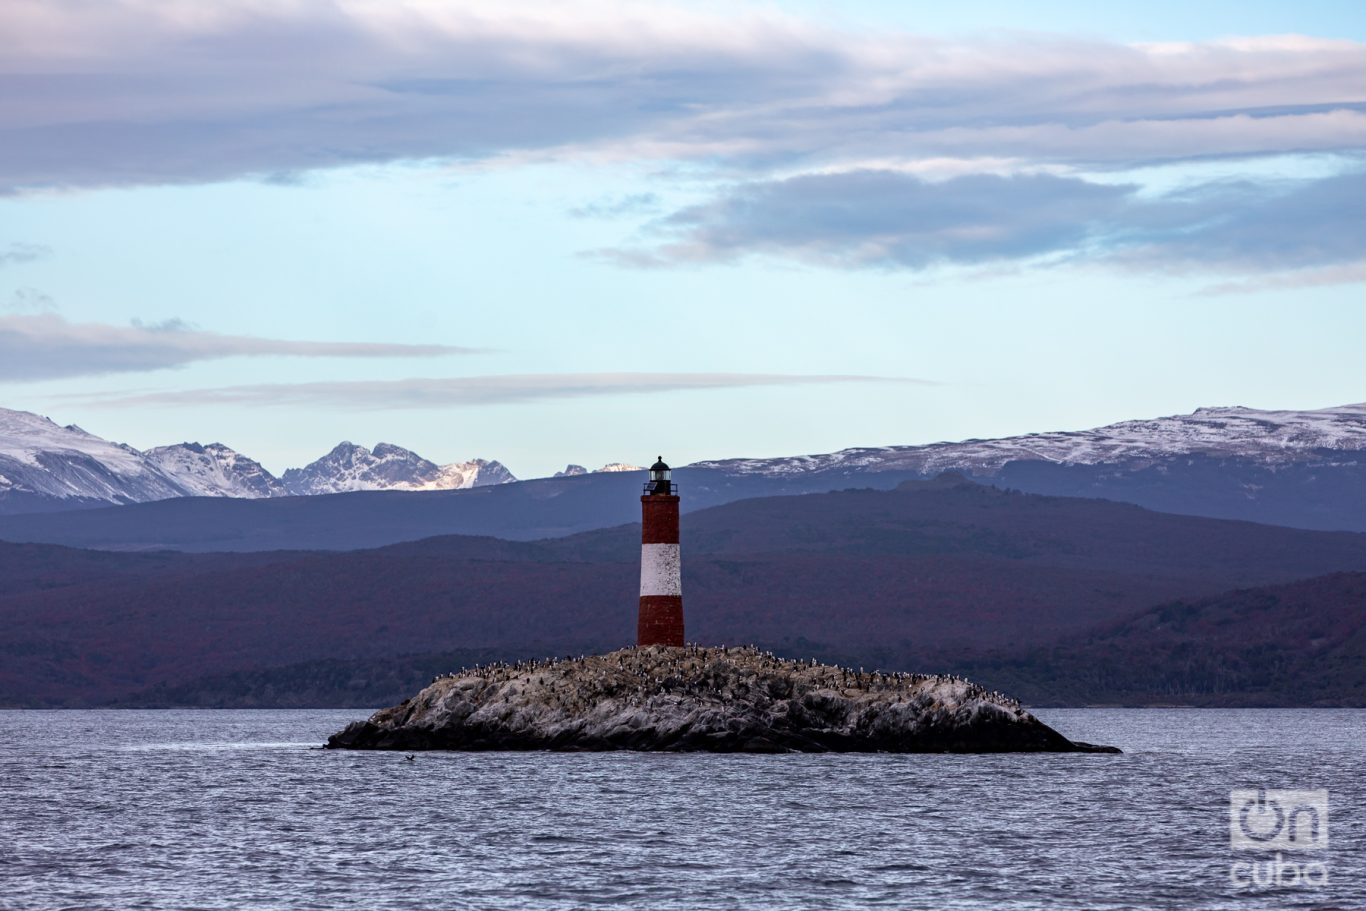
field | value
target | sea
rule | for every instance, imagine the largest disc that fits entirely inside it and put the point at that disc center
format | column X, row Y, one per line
column 241, row 809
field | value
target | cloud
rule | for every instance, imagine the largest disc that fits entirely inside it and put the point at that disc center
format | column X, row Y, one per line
column 628, row 204
column 136, row 91
column 29, row 300
column 454, row 392
column 1351, row 273
column 882, row 218
column 1246, row 226
column 46, row 346
column 15, row 253
column 893, row 219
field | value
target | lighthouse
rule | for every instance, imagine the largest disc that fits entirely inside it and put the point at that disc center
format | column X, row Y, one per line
column 661, row 586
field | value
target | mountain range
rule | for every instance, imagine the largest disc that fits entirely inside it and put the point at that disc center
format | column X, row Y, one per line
column 931, row 574
column 1303, row 469
column 46, row 467
column 1272, row 438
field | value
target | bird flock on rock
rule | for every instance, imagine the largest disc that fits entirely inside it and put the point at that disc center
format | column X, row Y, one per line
column 714, row 671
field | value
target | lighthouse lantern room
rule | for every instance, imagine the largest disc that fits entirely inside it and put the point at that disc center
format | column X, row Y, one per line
column 660, row 620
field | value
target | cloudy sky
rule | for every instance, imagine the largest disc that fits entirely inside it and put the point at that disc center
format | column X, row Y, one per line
column 597, row 231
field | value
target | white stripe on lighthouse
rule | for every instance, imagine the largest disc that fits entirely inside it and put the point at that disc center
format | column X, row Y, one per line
column 659, row 570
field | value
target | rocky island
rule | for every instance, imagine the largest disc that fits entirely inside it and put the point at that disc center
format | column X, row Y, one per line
column 691, row 698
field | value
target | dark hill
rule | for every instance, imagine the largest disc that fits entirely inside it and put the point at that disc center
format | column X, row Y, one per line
column 1303, row 643
column 954, row 516
column 889, row 578
column 525, row 510
column 1298, row 644
column 40, row 567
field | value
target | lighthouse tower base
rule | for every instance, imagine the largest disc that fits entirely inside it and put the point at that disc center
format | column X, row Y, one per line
column 660, row 621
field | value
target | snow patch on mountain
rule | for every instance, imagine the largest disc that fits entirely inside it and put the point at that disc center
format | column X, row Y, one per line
column 215, row 470
column 1266, row 437
column 25, row 437
column 349, row 467
column 573, row 471
column 42, row 459
column 464, row 475
column 618, row 466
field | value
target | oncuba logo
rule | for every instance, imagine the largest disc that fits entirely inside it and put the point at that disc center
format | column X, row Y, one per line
column 1268, row 819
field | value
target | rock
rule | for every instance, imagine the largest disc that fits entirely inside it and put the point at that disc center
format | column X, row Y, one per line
column 703, row 699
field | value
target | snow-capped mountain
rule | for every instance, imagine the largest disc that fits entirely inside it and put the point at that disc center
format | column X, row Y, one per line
column 1261, row 437
column 1302, row 468
column 40, row 460
column 215, row 470
column 618, row 466
column 44, row 466
column 349, row 467
column 571, row 470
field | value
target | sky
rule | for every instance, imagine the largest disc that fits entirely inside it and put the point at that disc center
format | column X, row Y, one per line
column 593, row 232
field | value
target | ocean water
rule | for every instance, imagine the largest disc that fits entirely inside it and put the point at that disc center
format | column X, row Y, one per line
column 238, row 809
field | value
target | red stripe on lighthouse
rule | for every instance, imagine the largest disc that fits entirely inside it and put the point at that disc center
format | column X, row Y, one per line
column 659, row 519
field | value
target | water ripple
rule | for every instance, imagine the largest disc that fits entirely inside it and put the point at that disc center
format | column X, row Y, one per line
column 219, row 810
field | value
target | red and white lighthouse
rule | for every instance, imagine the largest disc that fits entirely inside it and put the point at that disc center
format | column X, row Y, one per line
column 661, row 584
